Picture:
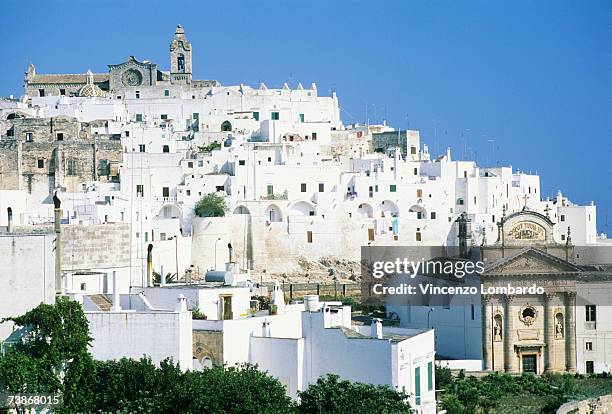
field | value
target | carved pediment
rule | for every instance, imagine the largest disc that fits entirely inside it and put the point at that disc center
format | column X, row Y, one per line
column 531, row 261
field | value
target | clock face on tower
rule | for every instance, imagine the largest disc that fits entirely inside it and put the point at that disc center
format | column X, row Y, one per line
column 132, row 77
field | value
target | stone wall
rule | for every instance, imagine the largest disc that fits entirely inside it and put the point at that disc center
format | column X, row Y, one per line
column 46, row 162
column 96, row 246
column 208, row 344
column 9, row 164
column 599, row 405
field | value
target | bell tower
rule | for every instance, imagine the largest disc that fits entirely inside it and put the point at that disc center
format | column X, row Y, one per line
column 180, row 57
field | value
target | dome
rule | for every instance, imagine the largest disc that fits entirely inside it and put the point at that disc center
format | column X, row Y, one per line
column 91, row 90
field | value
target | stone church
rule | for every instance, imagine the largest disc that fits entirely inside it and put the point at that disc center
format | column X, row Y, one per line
column 533, row 332
column 122, row 77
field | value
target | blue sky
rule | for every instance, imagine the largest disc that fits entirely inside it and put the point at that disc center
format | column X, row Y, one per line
column 529, row 83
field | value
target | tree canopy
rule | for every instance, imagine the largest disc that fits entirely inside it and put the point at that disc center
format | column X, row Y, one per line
column 211, row 205
column 330, row 395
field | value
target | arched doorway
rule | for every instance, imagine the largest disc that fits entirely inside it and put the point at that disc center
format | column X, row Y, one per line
column 226, row 126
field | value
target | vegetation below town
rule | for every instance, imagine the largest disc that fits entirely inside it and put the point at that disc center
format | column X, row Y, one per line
column 502, row 393
column 52, row 357
column 211, row 205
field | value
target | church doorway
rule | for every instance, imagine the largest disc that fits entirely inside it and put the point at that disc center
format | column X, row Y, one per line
column 530, row 363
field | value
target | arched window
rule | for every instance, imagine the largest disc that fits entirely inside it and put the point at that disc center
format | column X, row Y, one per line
column 180, row 63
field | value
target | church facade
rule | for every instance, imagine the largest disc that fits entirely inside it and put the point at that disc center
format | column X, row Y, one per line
column 534, row 332
column 122, row 77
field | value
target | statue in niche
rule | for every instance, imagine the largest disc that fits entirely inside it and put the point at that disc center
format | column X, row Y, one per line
column 497, row 329
column 559, row 326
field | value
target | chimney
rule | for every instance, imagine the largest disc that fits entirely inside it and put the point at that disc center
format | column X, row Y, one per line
column 116, row 299
column 181, row 305
column 10, row 219
column 376, row 328
column 58, row 242
column 150, row 265
column 265, row 329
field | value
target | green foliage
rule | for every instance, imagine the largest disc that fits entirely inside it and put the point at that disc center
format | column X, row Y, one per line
column 444, row 377
column 211, row 205
column 129, row 386
column 329, row 395
column 210, row 147
column 170, row 277
column 196, row 313
column 467, row 395
column 264, row 302
column 52, row 355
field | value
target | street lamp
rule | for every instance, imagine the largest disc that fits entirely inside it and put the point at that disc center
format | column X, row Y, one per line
column 175, row 256
column 428, row 312
column 218, row 239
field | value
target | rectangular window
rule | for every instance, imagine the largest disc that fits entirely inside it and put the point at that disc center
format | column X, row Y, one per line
column 138, row 117
column 137, row 94
column 417, row 385
column 413, row 150
column 589, row 346
column 41, row 163
column 146, row 236
column 196, row 116
column 62, row 92
column 473, row 311
column 301, row 117
column 165, row 192
column 190, row 164
column 309, row 236
column 590, row 367
column 433, row 215
column 166, row 92
column 562, row 217
column 392, row 188
column 188, row 192
column 162, row 236
column 416, row 171
column 141, row 147
column 419, row 193
column 418, row 236
column 303, row 187
column 321, row 187
column 139, row 190
column 314, row 136
column 256, row 116
column 29, row 137
column 270, row 190
column 430, row 375
column 41, row 93
column 241, row 162
column 165, row 148
column 83, row 286
column 591, row 313
column 164, row 117
column 60, row 136
column 275, row 116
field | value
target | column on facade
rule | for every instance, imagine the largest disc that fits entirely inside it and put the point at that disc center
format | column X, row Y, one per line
column 570, row 331
column 549, row 331
column 487, row 334
column 510, row 360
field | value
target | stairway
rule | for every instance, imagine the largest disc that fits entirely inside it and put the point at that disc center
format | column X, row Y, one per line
column 101, row 302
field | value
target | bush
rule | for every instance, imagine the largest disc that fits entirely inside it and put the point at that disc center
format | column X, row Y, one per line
column 329, row 395
column 211, row 205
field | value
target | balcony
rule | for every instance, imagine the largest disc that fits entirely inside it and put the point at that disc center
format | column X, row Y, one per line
column 283, row 196
column 590, row 326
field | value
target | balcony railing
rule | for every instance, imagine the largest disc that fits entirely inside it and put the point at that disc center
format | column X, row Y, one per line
column 590, row 326
column 283, row 196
